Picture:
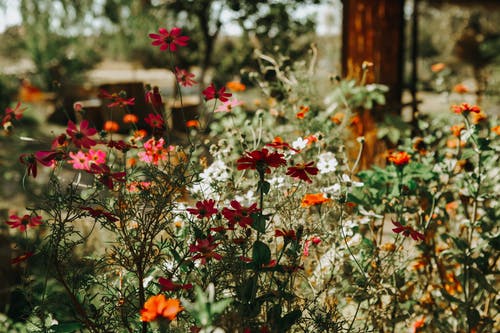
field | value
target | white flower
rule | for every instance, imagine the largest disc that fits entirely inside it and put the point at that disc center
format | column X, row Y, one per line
column 346, row 179
column 327, row 163
column 217, row 171
column 299, row 144
column 332, row 191
column 277, row 182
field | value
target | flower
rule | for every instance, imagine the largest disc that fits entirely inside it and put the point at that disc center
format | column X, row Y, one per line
column 313, row 199
column 169, row 40
column 130, row 118
column 210, row 93
column 460, row 89
column 24, row 222
column 99, row 212
column 111, row 126
column 399, row 158
column 456, row 129
column 235, row 86
column 465, row 108
column 407, row 231
column 496, row 130
column 169, row 285
column 81, row 137
column 438, row 67
column 106, row 177
column 287, row 235
column 79, row 160
column 96, row 156
column 228, row 105
column 160, row 306
column 337, row 118
column 418, row 324
column 154, row 97
column 300, row 144
column 239, row 214
column 278, row 143
column 205, row 248
column 479, row 117
column 205, row 208
column 21, row 258
column 184, row 78
column 118, row 99
column 30, row 161
column 302, row 170
column 155, row 120
column 193, row 123
column 303, row 111
column 260, row 160
column 154, row 152
column 327, row 163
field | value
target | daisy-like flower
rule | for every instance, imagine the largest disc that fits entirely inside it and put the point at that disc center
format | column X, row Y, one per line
column 260, row 160
column 327, row 163
column 96, row 156
column 212, row 93
column 300, row 144
column 204, row 249
column 239, row 214
column 302, row 171
column 154, row 152
column 24, row 222
column 105, row 176
column 228, row 105
column 155, row 121
column 160, row 307
column 313, row 199
column 81, row 137
column 407, row 231
column 80, row 160
column 169, row 40
column 117, row 99
column 184, row 78
column 205, row 208
column 465, row 109
column 169, row 285
column 399, row 158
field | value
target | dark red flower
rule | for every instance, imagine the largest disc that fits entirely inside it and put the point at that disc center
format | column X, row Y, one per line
column 407, row 231
column 204, row 249
column 119, row 99
column 210, row 93
column 302, row 170
column 287, row 235
column 205, row 208
column 99, row 212
column 169, row 285
column 155, row 120
column 260, row 160
column 239, row 214
column 81, row 137
column 106, row 176
column 120, row 145
column 169, row 40
column 48, row 157
column 21, row 258
column 154, row 97
column 30, row 161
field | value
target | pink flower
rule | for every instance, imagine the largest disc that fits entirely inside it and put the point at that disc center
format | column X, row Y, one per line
column 205, row 208
column 49, row 157
column 184, row 78
column 211, row 93
column 80, row 160
column 24, row 222
column 81, row 137
column 154, row 152
column 96, row 156
column 154, row 97
column 228, row 105
column 169, row 40
column 17, row 112
column 407, row 231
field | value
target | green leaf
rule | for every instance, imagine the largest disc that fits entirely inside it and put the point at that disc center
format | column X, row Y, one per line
column 482, row 281
column 248, row 290
column 259, row 222
column 264, row 186
column 67, row 327
column 261, row 254
column 459, row 242
column 289, row 320
column 473, row 317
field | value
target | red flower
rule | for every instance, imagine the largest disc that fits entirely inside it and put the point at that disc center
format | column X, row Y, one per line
column 99, row 212
column 301, row 170
column 184, row 78
column 169, row 285
column 240, row 214
column 24, row 222
column 154, row 97
column 407, row 231
column 106, row 176
column 159, row 306
column 278, row 143
column 117, row 99
column 169, row 40
column 81, row 138
column 30, row 161
column 399, row 158
column 211, row 93
column 155, row 120
column 205, row 249
column 260, row 160
column 21, row 258
column 205, row 208
column 287, row 235
column 120, row 145
column 465, row 108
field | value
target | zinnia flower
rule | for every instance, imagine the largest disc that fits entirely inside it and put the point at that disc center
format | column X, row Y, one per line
column 211, row 93
column 465, row 108
column 160, row 307
column 302, row 170
column 399, row 158
column 313, row 199
column 260, row 160
column 24, row 222
column 169, row 40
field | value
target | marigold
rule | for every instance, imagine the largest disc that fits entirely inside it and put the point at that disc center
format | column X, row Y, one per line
column 235, row 86
column 399, row 158
column 160, row 307
column 313, row 199
column 111, row 126
column 130, row 118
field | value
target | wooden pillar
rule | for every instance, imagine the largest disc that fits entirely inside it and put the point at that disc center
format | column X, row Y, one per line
column 373, row 31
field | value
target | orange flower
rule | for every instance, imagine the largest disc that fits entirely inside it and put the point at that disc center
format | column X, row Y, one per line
column 193, row 123
column 460, row 88
column 479, row 117
column 337, row 118
column 130, row 118
column 159, row 306
column 418, row 324
column 313, row 199
column 303, row 111
column 419, row 145
column 236, row 86
column 453, row 285
column 438, row 67
column 140, row 134
column 456, row 129
column 453, row 143
column 111, row 126
column 399, row 158
column 496, row 130
column 465, row 108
